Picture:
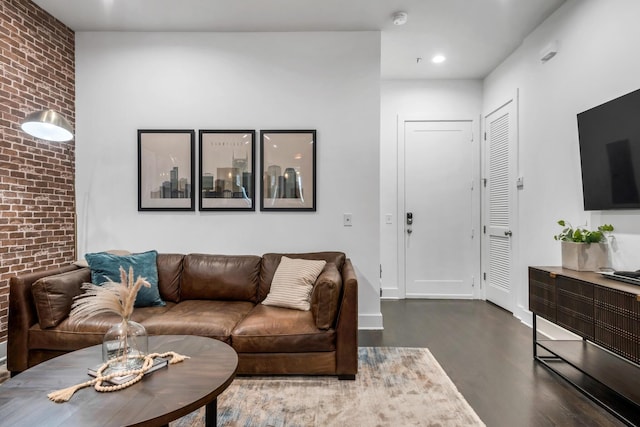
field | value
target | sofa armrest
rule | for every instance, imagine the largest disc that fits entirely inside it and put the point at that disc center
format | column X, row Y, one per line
column 23, row 315
column 347, row 325
column 325, row 297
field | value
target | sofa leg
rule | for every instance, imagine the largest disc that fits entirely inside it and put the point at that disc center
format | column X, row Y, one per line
column 349, row 377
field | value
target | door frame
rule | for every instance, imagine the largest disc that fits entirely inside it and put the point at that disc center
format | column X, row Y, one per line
column 514, row 160
column 475, row 196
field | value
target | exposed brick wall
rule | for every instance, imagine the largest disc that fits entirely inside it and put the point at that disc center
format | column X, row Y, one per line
column 37, row 203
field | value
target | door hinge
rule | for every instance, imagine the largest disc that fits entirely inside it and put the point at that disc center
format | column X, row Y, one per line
column 380, row 292
column 473, row 281
column 484, row 276
column 484, row 229
column 485, row 136
column 473, row 233
column 484, row 181
column 381, row 274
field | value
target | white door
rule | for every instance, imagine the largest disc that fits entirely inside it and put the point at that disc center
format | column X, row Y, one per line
column 498, row 201
column 438, row 214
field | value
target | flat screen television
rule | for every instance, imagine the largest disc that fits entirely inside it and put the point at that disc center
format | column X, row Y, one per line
column 609, row 138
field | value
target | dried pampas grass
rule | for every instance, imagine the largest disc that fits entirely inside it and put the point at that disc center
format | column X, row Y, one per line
column 109, row 297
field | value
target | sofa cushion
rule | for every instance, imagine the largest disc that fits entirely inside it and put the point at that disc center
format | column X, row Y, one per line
column 169, row 272
column 213, row 319
column 292, row 283
column 280, row 330
column 325, row 296
column 271, row 261
column 72, row 334
column 53, row 295
column 220, row 277
column 106, row 266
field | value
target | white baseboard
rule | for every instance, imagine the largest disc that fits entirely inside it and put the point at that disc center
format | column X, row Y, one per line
column 391, row 294
column 524, row 315
column 439, row 296
column 553, row 331
column 370, row 321
column 548, row 329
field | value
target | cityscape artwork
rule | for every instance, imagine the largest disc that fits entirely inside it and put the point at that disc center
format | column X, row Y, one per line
column 288, row 169
column 226, row 170
column 166, row 170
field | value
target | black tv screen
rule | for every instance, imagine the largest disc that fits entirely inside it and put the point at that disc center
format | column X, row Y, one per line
column 609, row 137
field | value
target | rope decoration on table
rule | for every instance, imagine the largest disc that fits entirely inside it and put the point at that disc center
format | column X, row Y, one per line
column 63, row 395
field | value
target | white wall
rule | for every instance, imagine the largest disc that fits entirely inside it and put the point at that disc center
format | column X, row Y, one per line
column 431, row 99
column 324, row 81
column 597, row 61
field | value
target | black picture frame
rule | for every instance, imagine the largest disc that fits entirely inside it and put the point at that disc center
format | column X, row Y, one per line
column 226, row 164
column 283, row 153
column 166, row 170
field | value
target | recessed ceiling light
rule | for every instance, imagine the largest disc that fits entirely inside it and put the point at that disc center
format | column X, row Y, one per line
column 438, row 59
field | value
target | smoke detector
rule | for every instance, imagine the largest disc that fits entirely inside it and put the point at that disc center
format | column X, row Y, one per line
column 400, row 18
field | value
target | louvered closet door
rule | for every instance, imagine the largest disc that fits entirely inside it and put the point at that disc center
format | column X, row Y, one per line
column 498, row 206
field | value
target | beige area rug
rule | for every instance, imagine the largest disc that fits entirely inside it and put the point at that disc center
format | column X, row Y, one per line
column 394, row 387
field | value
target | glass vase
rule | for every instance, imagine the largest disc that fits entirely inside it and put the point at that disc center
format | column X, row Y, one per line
column 128, row 343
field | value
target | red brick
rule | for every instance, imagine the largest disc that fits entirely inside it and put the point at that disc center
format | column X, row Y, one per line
column 37, row 57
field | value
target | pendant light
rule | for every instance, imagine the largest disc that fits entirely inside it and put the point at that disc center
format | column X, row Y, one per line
column 48, row 125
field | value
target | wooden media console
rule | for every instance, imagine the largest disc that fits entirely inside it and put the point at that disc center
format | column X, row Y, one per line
column 604, row 362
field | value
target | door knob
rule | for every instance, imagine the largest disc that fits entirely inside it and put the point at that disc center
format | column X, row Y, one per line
column 508, row 233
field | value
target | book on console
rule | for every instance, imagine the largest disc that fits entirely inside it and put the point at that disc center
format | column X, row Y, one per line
column 629, row 277
column 631, row 274
column 158, row 362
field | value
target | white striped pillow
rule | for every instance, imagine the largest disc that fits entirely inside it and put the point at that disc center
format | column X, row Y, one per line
column 292, row 283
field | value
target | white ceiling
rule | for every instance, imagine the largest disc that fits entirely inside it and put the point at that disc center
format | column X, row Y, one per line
column 474, row 35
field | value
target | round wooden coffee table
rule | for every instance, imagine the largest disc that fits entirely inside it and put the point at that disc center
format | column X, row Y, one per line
column 162, row 396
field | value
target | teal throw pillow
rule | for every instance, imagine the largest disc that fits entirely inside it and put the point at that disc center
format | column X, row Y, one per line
column 105, row 266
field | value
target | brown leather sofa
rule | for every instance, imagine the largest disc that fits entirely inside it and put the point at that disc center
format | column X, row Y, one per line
column 216, row 296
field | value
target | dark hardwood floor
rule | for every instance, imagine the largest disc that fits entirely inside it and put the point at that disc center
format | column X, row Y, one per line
column 488, row 354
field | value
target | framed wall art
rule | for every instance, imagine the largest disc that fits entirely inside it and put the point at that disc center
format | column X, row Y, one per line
column 288, row 170
column 166, row 170
column 227, row 178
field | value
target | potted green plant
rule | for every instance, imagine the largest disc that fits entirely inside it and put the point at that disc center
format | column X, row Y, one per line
column 584, row 249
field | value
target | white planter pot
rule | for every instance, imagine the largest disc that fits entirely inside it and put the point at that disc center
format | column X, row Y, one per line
column 584, row 256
